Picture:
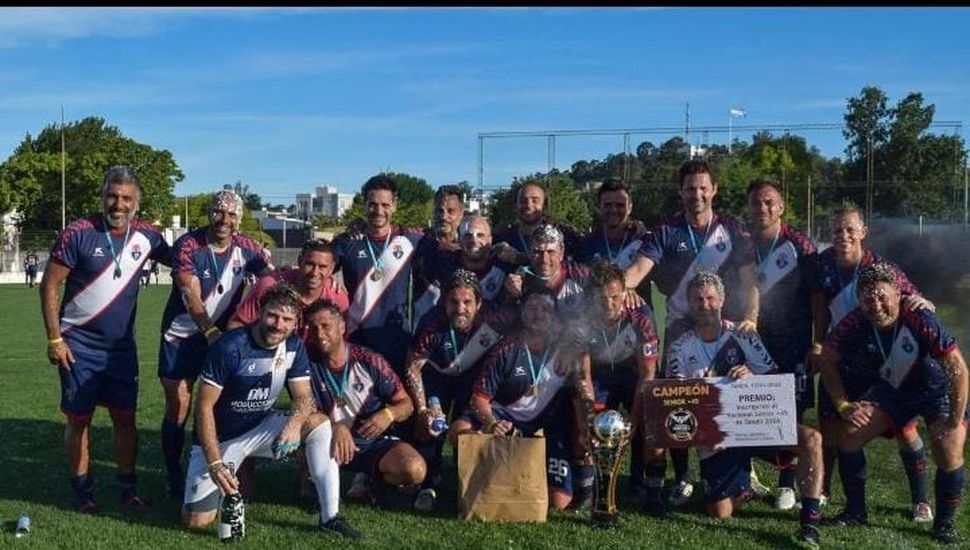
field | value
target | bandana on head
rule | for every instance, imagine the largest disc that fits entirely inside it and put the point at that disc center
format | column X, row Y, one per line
column 228, row 201
column 547, row 234
column 873, row 274
column 463, row 277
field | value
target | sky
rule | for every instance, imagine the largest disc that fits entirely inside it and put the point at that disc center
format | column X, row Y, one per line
column 286, row 100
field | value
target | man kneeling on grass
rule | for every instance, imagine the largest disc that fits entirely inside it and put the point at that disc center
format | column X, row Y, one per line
column 243, row 373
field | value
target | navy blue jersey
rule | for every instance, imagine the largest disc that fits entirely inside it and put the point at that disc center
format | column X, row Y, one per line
column 440, row 266
column 679, row 250
column 250, row 377
column 221, row 279
column 837, row 283
column 452, row 352
column 691, row 357
column 621, row 253
column 906, row 358
column 98, row 308
column 784, row 283
column 367, row 387
column 569, row 287
column 517, row 388
column 512, row 235
column 634, row 337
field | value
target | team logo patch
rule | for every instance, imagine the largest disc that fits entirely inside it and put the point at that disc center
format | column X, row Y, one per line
column 485, row 341
column 206, row 274
column 907, row 345
column 251, row 368
column 135, row 252
column 782, row 261
column 519, row 371
column 358, row 384
column 397, row 252
column 447, row 345
column 236, row 266
column 731, row 356
column 98, row 252
column 681, row 425
column 361, row 255
column 721, row 245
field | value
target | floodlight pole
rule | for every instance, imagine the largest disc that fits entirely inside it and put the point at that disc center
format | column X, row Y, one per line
column 63, row 176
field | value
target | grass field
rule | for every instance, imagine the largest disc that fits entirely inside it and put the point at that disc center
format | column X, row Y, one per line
column 33, row 480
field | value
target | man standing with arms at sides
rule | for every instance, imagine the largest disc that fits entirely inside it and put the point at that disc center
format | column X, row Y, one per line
column 90, row 335
column 357, row 389
column 883, row 366
column 833, row 297
column 785, row 264
column 377, row 271
column 698, row 239
column 234, row 418
column 30, row 268
column 445, row 362
column 619, row 238
column 209, row 270
column 514, row 243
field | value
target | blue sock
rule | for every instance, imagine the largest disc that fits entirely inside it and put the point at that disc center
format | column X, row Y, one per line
column 949, row 487
column 680, row 459
column 654, row 472
column 811, row 511
column 829, row 456
column 84, row 486
column 914, row 462
column 583, row 478
column 173, row 441
column 127, row 483
column 852, row 470
column 786, row 477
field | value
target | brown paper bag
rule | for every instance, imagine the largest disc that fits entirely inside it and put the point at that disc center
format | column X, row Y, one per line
column 502, row 478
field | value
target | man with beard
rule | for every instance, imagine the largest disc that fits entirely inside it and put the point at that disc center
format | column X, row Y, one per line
column 377, row 271
column 548, row 269
column 210, row 266
column 715, row 347
column 358, row 390
column 31, row 261
column 620, row 351
column 698, row 239
column 785, row 264
column 619, row 238
column 884, row 365
column 520, row 390
column 90, row 335
column 438, row 243
column 453, row 344
column 243, row 374
column 833, row 297
column 514, row 243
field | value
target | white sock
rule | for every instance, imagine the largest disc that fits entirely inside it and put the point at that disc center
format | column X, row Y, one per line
column 324, row 470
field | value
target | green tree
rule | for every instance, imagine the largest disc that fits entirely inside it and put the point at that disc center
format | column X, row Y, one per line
column 564, row 203
column 250, row 198
column 32, row 174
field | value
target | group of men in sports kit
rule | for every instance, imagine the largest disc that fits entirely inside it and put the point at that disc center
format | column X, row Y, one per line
column 504, row 334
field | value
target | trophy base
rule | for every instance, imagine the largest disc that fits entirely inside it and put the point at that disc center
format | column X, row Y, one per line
column 606, row 520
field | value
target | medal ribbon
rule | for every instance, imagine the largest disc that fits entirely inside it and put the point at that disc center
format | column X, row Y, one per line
column 116, row 258
column 609, row 251
column 532, row 369
column 757, row 252
column 378, row 263
column 698, row 248
column 219, row 271
column 606, row 340
column 882, row 350
column 338, row 390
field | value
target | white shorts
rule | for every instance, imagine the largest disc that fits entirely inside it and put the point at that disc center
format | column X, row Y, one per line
column 201, row 493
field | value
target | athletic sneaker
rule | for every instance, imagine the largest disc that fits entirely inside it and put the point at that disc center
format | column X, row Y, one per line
column 358, row 487
column 760, row 489
column 681, row 493
column 88, row 506
column 785, row 499
column 340, row 527
column 922, row 512
column 425, row 500
column 946, row 532
column 807, row 536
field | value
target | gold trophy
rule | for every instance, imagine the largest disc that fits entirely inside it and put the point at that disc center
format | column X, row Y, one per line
column 610, row 433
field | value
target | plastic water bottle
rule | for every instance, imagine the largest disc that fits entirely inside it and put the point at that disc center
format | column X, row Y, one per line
column 232, row 516
column 23, row 526
column 439, row 424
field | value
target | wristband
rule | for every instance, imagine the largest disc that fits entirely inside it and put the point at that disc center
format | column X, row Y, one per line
column 210, row 330
column 389, row 413
column 816, row 347
column 216, row 463
column 54, row 341
column 842, row 406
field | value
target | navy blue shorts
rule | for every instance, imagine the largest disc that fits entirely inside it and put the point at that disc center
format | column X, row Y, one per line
column 727, row 474
column 370, row 452
column 612, row 388
column 99, row 377
column 182, row 359
column 454, row 392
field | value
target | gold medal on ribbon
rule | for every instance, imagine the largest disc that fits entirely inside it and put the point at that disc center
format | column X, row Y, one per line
column 341, row 403
column 535, row 389
column 377, row 275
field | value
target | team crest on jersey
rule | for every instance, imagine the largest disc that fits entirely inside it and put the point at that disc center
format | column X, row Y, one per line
column 447, row 345
column 397, row 252
column 98, row 252
column 485, row 341
column 519, row 371
column 731, row 356
column 236, row 266
column 907, row 345
column 135, row 252
column 782, row 261
column 721, row 245
column 490, row 286
column 681, row 425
